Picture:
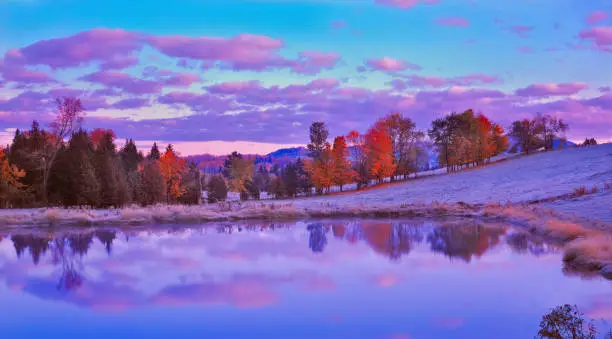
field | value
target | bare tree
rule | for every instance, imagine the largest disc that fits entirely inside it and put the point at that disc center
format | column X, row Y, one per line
column 68, row 118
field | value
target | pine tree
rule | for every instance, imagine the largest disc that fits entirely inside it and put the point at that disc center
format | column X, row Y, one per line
column 318, row 139
column 154, row 154
column 107, row 169
column 84, row 187
column 151, row 189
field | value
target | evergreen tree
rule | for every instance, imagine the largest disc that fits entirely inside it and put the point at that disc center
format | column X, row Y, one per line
column 130, row 156
column 154, row 154
column 318, row 139
column 84, row 187
column 152, row 189
column 290, row 180
column 108, row 171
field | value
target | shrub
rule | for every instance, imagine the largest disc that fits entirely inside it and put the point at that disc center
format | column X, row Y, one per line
column 217, row 189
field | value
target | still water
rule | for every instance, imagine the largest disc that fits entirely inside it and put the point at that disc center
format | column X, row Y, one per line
column 328, row 279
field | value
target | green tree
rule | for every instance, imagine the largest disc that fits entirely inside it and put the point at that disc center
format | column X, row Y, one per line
column 217, row 189
column 318, row 139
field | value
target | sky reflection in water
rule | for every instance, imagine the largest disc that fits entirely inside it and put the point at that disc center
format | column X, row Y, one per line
column 355, row 279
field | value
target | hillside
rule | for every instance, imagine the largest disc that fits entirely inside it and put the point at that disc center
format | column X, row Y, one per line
column 520, row 180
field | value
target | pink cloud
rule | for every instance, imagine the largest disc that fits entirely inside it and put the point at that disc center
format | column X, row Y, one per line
column 338, row 24
column 386, row 280
column 437, row 82
column 313, row 62
column 453, row 21
column 551, row 89
column 449, row 323
column 521, row 31
column 404, row 4
column 524, row 49
column 596, row 17
column 601, row 36
column 119, row 63
column 99, row 44
column 123, row 81
column 387, row 64
column 23, row 75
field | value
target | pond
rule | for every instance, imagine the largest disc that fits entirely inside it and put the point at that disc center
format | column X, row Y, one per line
column 327, row 279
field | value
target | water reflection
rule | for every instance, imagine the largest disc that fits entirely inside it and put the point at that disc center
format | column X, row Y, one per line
column 280, row 269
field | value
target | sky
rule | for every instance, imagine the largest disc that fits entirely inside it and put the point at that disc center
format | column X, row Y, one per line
column 252, row 75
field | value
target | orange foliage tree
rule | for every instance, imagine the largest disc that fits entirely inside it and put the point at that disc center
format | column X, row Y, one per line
column 321, row 169
column 172, row 167
column 379, row 150
column 342, row 172
column 9, row 179
column 98, row 134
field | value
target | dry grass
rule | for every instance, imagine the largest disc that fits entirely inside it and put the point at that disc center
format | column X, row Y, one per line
column 590, row 253
column 580, row 191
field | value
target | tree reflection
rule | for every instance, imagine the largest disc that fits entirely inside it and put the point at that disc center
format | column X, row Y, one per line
column 464, row 241
column 106, row 237
column 36, row 245
column 318, row 238
column 70, row 278
column 392, row 239
column 527, row 243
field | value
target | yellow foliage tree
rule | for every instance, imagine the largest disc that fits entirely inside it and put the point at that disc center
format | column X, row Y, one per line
column 9, row 179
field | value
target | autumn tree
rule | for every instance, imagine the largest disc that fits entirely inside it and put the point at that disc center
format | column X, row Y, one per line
column 192, row 184
column 342, row 172
column 321, row 170
column 172, row 167
column 405, row 139
column 550, row 128
column 68, row 117
column 357, row 143
column 379, row 151
column 527, row 132
column 10, row 176
column 240, row 175
column 566, row 322
column 98, row 134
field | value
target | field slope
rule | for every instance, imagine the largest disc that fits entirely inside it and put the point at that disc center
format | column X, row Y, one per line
column 537, row 177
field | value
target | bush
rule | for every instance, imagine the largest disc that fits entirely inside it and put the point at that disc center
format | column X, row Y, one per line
column 566, row 322
column 217, row 189
column 580, row 191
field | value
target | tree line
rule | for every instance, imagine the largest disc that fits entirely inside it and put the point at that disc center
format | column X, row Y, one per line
column 69, row 166
column 66, row 165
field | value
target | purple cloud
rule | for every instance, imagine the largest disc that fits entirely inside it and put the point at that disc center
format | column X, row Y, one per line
column 596, row 17
column 524, row 49
column 338, row 24
column 313, row 62
column 124, row 82
column 119, row 63
column 551, row 89
column 521, row 31
column 131, row 103
column 418, row 81
column 605, row 89
column 98, row 44
column 601, row 36
column 388, row 64
column 405, row 4
column 453, row 21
